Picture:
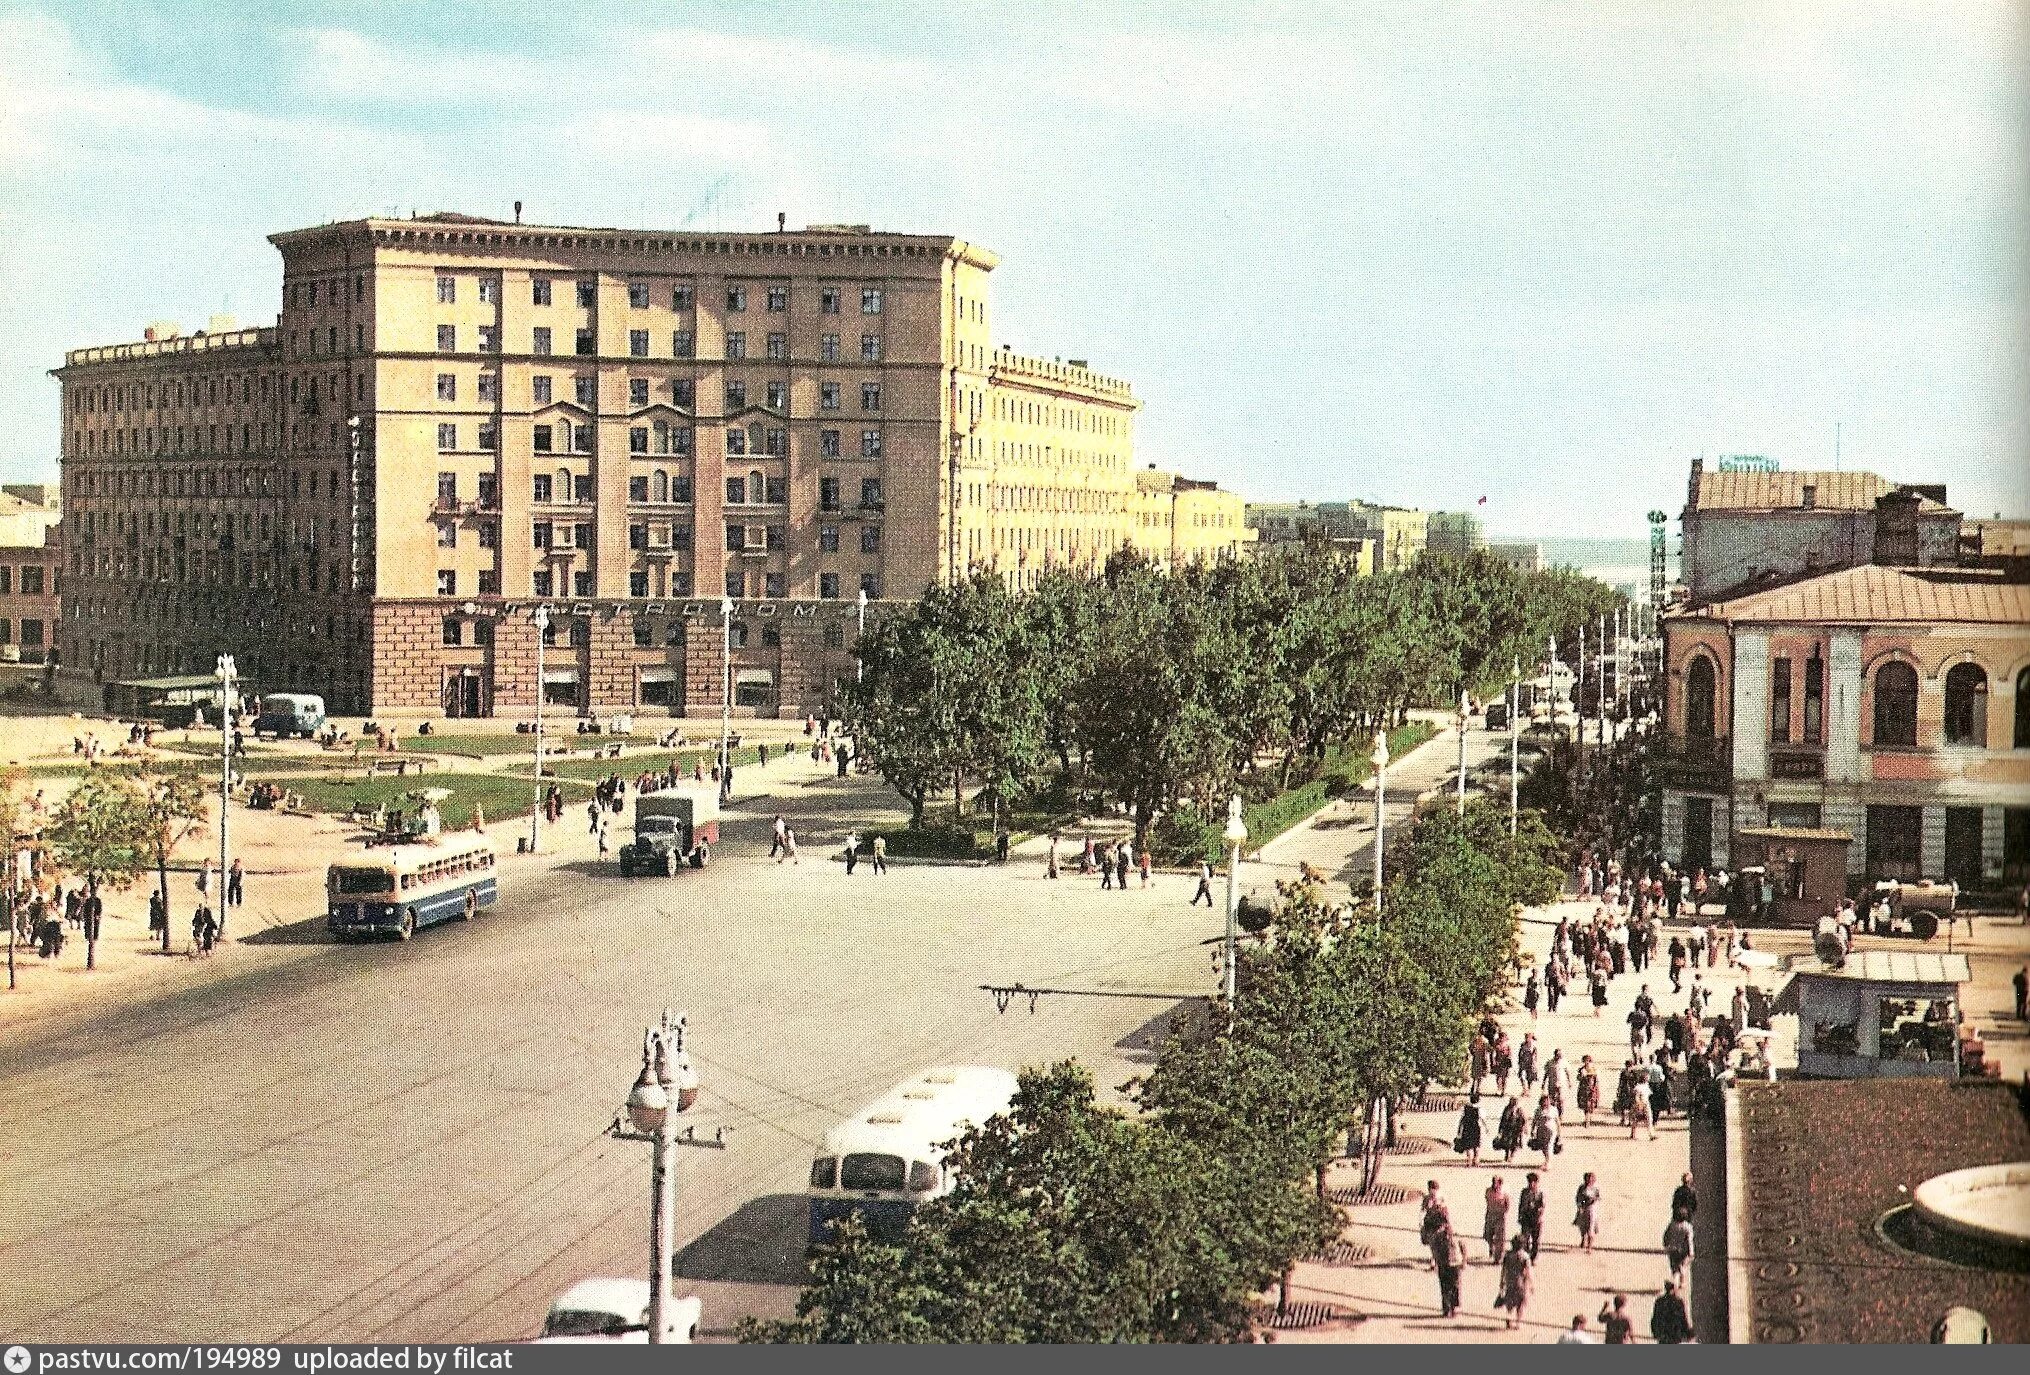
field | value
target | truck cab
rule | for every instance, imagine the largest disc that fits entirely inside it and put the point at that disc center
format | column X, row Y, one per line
column 672, row 828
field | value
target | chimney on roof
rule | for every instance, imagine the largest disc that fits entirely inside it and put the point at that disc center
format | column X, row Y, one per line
column 518, row 212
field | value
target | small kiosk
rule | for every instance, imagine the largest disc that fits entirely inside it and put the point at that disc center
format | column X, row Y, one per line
column 1879, row 1014
column 1807, row 870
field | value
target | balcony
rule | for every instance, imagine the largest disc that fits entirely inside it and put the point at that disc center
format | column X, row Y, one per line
column 1705, row 762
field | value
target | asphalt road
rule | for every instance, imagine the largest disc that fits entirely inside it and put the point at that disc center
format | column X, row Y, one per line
column 405, row 1142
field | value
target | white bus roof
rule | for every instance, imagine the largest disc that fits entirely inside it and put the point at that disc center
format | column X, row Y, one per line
column 410, row 856
column 924, row 1111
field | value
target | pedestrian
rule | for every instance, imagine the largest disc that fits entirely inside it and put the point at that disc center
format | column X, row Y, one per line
column 789, row 846
column 1466, row 1140
column 599, row 830
column 1124, row 860
column 1476, row 1060
column 1558, row 1080
column 593, row 811
column 158, row 912
column 1638, row 1029
column 1529, row 1215
column 852, row 851
column 1510, row 1131
column 1640, row 1117
column 1586, row 1211
column 1448, row 1257
column 1677, row 1246
column 1544, row 1130
column 1518, row 1277
column 1106, row 871
column 1576, row 1334
column 1598, row 982
column 1050, row 865
column 1531, row 993
column 1501, row 1060
column 1589, row 1089
column 1695, row 942
column 1204, row 889
column 1554, row 984
column 1143, row 861
column 236, row 885
column 1494, row 1227
column 1685, row 1198
column 775, row 845
column 1436, row 1214
column 2021, row 982
column 1526, row 1057
column 1615, row 1324
column 1659, row 1089
column 1001, row 842
column 881, row 854
column 205, row 927
column 1669, row 1323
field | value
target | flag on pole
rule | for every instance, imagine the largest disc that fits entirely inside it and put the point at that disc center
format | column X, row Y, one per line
column 1481, row 502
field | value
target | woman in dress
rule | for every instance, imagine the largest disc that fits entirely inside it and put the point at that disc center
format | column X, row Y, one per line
column 1624, row 1092
column 1494, row 1230
column 1544, row 1130
column 1638, row 1110
column 1501, row 1060
column 1586, row 1214
column 1589, row 1089
column 1509, row 1133
column 1531, row 994
column 1599, row 984
column 1517, row 1277
column 1526, row 1056
column 1466, row 1140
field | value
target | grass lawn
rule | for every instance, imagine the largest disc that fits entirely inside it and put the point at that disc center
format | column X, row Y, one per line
column 500, row 795
column 508, row 742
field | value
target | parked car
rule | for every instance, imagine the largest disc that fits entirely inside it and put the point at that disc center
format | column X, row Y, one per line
column 290, row 713
column 616, row 1310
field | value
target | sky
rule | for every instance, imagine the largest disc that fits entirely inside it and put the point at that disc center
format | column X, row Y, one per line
column 1415, row 253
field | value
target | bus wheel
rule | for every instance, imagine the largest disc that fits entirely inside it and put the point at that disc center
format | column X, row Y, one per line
column 408, row 927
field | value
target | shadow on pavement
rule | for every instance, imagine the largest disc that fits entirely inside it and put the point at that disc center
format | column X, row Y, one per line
column 1708, row 1299
column 762, row 1242
column 309, row 931
column 1141, row 1045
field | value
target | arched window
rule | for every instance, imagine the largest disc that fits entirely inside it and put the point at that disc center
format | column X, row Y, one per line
column 564, row 436
column 1966, row 705
column 755, row 489
column 662, row 485
column 1895, row 704
column 1700, row 691
column 2023, row 710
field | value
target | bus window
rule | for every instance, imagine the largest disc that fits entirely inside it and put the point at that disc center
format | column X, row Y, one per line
column 825, row 1172
column 354, row 882
column 922, row 1176
column 866, row 1171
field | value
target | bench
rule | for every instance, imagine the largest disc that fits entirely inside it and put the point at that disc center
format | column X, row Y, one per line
column 399, row 766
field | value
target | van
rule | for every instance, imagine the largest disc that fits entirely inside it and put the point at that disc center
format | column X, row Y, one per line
column 290, row 713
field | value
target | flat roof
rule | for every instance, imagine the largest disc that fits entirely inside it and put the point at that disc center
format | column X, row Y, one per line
column 1892, row 967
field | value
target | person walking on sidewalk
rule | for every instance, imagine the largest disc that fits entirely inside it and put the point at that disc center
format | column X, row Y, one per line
column 236, row 885
column 1204, row 889
column 1558, row 1080
column 1529, row 1215
column 881, row 854
column 1518, row 1277
column 1512, row 1128
column 1124, row 860
column 1669, row 1323
column 2021, row 983
column 1050, row 864
column 1494, row 1224
column 1589, row 1090
column 1466, row 1140
column 1448, row 1257
column 1586, row 1211
column 1615, row 1324
column 852, row 851
column 1576, row 1334
column 1544, row 1130
column 1677, row 1246
column 1685, row 1199
column 781, row 829
column 1531, row 994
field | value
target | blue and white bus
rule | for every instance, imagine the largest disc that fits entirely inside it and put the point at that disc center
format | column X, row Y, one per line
column 888, row 1158
column 410, row 886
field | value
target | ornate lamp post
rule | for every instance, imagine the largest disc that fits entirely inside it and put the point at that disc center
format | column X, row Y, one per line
column 226, row 675
column 666, row 1087
column 536, row 811
column 1380, row 760
column 1235, row 836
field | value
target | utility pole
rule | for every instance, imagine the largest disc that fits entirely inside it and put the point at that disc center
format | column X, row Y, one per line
column 1465, row 715
column 860, row 668
column 1236, row 835
column 725, row 697
column 666, row 1087
column 1380, row 760
column 536, row 811
column 1514, row 746
column 225, row 674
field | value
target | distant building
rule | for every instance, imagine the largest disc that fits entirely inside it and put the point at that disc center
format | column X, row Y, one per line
column 1996, row 538
column 1400, row 533
column 1179, row 520
column 1760, row 528
column 1284, row 522
column 1454, row 533
column 31, row 559
column 1892, row 703
column 1527, row 555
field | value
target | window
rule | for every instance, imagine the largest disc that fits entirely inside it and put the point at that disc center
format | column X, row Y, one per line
column 454, row 631
column 736, row 343
column 686, row 392
column 1701, row 690
column 828, row 586
column 828, row 494
column 683, row 344
column 489, row 339
column 828, row 348
column 1966, row 705
column 542, row 441
column 585, row 344
column 489, row 386
column 637, row 584
column 1895, row 838
column 1895, row 705
column 489, row 491
column 870, row 300
column 637, row 295
column 581, row 488
column 540, row 583
column 447, row 338
column 539, row 290
column 771, row 586
column 644, row 632
column 588, row 294
column 828, row 443
column 1779, row 702
column 870, row 348
column 680, row 298
column 828, row 539
column 736, row 396
column 586, row 389
column 870, row 443
column 680, row 585
column 778, row 396
column 541, row 344
column 637, row 391
column 581, row 586
column 774, row 537
column 870, row 492
column 828, row 300
column 870, row 396
column 828, row 396
column 541, row 493
column 736, row 298
column 680, row 492
column 489, row 437
column 447, row 582
column 736, row 491
column 1814, row 700
column 447, row 386
column 447, row 291
column 488, row 290
column 870, row 539
column 447, row 435
column 778, row 298
column 736, row 586
column 637, row 439
column 637, row 343
column 637, row 488
column 542, row 535
column 870, row 583
column 489, row 538
column 778, row 346
column 2015, row 844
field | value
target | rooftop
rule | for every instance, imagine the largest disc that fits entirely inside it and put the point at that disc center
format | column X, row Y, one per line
column 1752, row 491
column 1875, row 595
column 1891, row 967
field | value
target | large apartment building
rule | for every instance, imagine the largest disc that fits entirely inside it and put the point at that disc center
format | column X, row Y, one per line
column 454, row 421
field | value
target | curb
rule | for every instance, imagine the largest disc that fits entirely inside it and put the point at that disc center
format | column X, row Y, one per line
column 1740, row 1316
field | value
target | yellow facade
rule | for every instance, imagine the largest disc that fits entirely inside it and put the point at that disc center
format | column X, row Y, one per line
column 1179, row 521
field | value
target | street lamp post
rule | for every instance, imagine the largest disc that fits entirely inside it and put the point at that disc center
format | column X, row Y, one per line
column 860, row 668
column 536, row 811
column 666, row 1087
column 1514, row 745
column 1235, row 836
column 1380, row 760
column 725, row 697
column 225, row 674
column 1465, row 714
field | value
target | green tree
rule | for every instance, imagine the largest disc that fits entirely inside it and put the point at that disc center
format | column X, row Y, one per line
column 178, row 807
column 103, row 833
column 17, row 826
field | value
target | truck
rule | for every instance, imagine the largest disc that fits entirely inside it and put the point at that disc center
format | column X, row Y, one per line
column 673, row 827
